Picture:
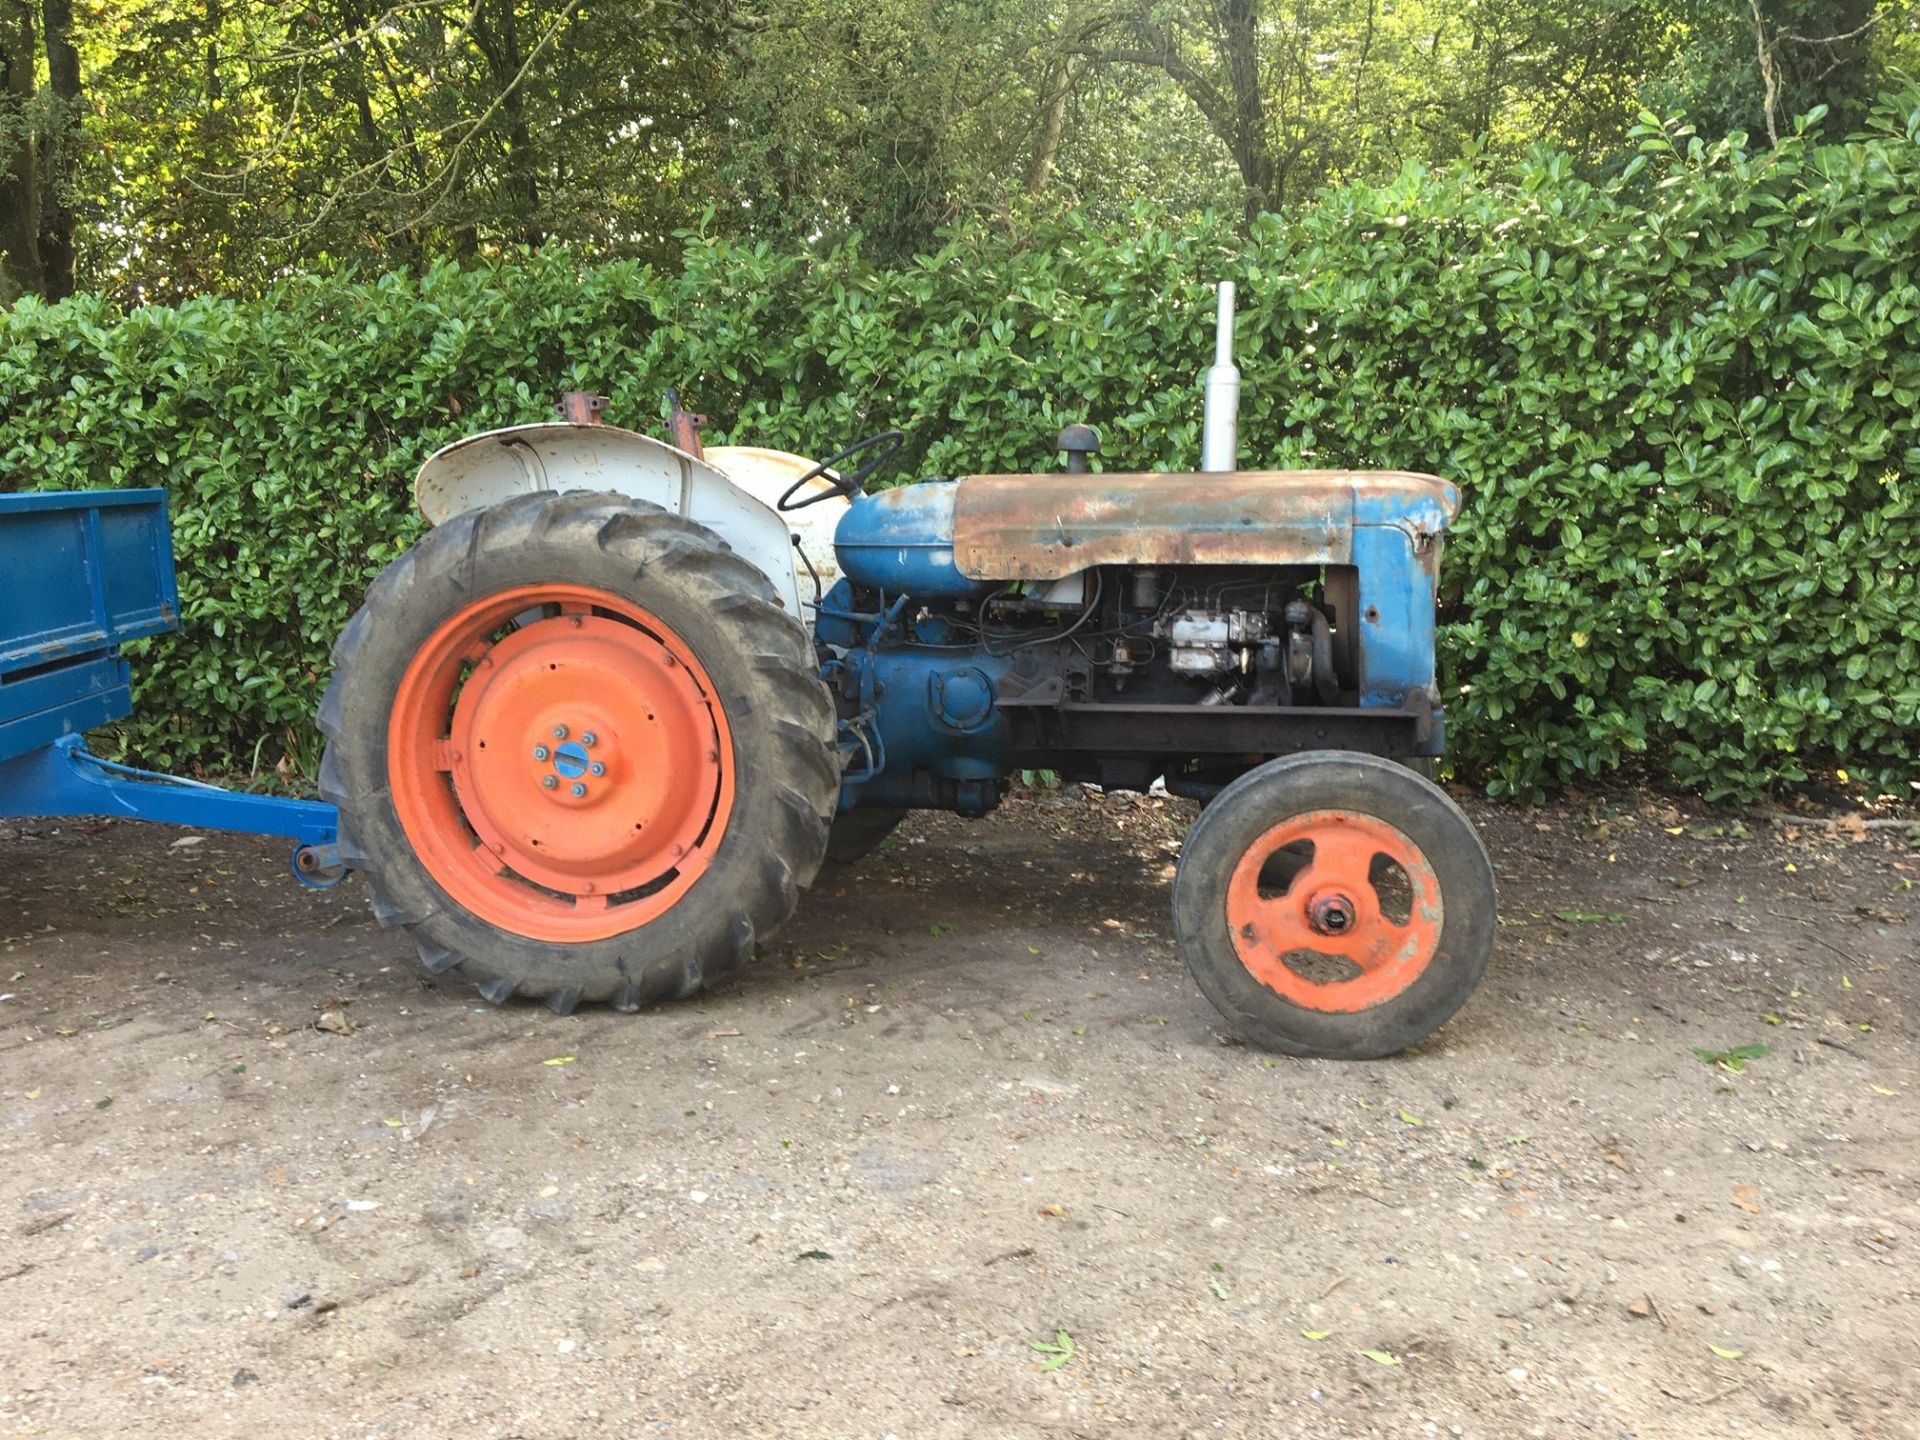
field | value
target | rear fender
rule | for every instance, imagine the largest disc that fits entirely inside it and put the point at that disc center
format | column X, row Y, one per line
column 485, row 469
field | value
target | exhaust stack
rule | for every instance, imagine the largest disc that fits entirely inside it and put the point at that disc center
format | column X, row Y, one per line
column 1220, row 425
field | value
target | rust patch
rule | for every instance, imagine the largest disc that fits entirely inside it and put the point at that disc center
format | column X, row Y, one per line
column 578, row 407
column 1041, row 527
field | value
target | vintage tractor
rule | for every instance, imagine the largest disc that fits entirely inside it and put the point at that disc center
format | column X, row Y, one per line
column 590, row 737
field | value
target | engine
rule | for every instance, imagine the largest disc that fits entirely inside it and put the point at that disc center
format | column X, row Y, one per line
column 1167, row 635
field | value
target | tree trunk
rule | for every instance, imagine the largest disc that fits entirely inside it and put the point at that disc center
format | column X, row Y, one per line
column 1238, row 114
column 499, row 40
column 59, row 151
column 1053, row 119
column 21, row 272
column 1252, row 146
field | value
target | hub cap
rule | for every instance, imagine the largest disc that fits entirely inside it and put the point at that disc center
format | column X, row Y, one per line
column 560, row 763
column 1364, row 899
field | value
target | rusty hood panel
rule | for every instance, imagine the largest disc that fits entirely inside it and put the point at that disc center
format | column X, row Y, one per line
column 1043, row 527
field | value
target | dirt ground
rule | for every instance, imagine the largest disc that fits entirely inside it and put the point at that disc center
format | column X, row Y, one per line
column 967, row 1101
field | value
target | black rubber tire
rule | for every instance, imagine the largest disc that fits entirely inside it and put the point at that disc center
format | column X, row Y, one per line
column 759, row 660
column 1334, row 780
column 858, row 832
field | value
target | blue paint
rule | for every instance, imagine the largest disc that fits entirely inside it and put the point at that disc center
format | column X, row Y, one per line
column 901, row 541
column 80, row 574
column 64, row 779
column 571, row 760
column 84, row 572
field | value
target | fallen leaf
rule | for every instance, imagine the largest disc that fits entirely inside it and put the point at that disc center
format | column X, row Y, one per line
column 34, row 1094
column 1845, row 983
column 1056, row 1211
column 1057, row 1351
column 813, row 1255
column 1877, row 1089
column 1614, row 1159
column 1583, row 917
column 1219, row 1287
column 1408, row 1118
column 1726, row 1354
column 1734, row 1059
column 103, row 1104
column 560, row 1060
column 1316, row 1334
column 939, row 928
column 335, row 1022
column 1380, row 1357
column 1640, row 1309
column 1747, row 1198
column 394, row 1124
column 1769, row 1017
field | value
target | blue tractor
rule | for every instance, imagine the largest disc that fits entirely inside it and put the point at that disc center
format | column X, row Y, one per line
column 589, row 739
column 594, row 733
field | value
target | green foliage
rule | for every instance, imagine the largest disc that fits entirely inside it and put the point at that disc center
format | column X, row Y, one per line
column 1681, row 405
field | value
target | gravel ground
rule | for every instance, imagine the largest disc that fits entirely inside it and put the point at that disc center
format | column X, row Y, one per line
column 967, row 1103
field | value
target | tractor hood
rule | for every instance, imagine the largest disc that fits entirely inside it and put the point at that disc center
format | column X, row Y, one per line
column 1045, row 527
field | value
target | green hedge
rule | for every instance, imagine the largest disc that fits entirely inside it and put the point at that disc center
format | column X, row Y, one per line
column 1682, row 405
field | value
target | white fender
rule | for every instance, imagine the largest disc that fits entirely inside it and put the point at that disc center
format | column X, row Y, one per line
column 766, row 474
column 496, row 465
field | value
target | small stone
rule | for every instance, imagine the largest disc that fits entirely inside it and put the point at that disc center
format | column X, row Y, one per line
column 1640, row 1309
column 243, row 1376
column 294, row 1297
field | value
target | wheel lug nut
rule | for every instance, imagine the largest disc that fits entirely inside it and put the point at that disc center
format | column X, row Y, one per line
column 549, row 782
column 588, row 739
column 578, row 789
column 559, row 732
column 597, row 768
column 540, row 752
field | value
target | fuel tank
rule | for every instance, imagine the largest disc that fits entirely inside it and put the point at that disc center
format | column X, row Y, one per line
column 901, row 541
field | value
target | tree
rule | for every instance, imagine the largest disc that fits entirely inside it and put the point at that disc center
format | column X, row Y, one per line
column 248, row 139
column 39, row 123
column 1751, row 65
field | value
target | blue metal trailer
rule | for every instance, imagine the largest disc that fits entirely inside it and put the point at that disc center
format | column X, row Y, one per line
column 81, row 574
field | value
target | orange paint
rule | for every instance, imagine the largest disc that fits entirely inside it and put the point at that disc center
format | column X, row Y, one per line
column 497, row 824
column 1331, row 907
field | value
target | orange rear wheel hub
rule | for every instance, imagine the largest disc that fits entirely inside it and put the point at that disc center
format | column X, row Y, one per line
column 560, row 762
column 1338, row 886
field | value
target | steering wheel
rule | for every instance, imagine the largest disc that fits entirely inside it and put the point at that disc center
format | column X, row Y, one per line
column 886, row 442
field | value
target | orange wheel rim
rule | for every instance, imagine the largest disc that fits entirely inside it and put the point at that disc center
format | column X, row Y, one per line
column 1334, row 910
column 560, row 762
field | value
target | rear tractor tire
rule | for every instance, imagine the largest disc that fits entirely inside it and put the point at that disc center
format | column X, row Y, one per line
column 1335, row 906
column 580, row 752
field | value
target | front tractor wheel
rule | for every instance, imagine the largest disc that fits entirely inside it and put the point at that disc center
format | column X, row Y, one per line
column 1334, row 905
column 579, row 752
